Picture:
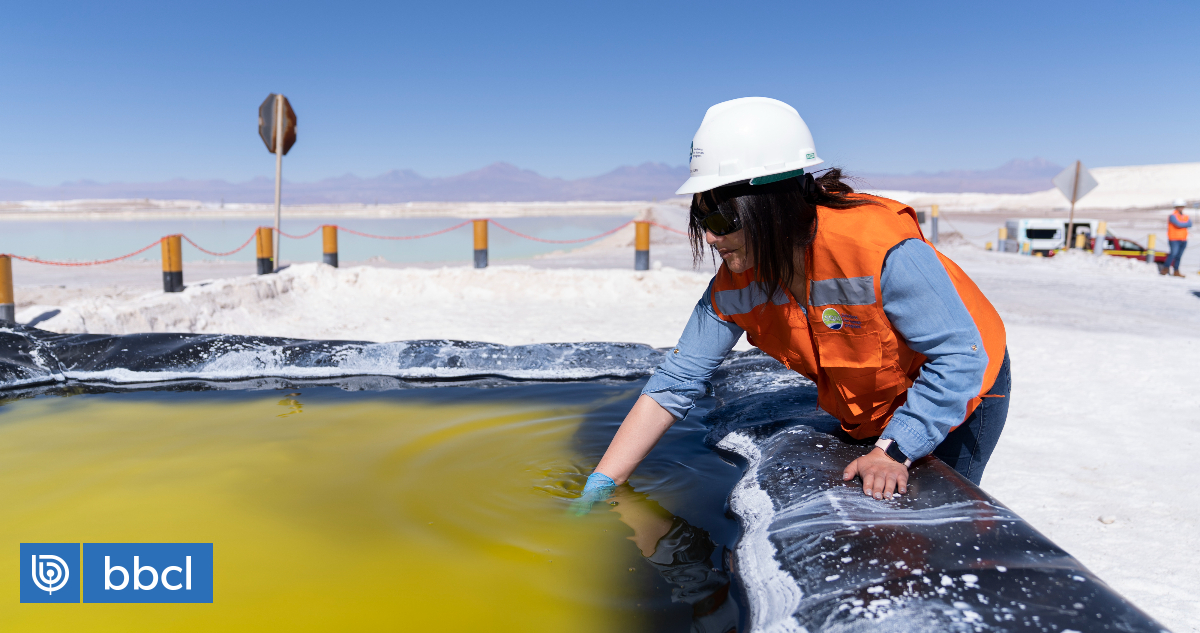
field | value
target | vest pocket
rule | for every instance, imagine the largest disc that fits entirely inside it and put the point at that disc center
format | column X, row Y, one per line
column 855, row 364
column 842, row 350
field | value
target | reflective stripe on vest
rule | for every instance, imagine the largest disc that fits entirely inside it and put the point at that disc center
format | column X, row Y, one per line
column 845, row 342
column 743, row 300
column 852, row 291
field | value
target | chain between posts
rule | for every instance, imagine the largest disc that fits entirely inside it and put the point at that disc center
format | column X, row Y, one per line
column 538, row 239
column 667, row 228
column 300, row 237
column 403, row 237
column 36, row 260
column 215, row 254
column 200, row 248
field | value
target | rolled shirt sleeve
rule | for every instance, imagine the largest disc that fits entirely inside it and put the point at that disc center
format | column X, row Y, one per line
column 683, row 377
column 926, row 310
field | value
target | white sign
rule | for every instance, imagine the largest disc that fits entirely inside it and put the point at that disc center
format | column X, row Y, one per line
column 1065, row 182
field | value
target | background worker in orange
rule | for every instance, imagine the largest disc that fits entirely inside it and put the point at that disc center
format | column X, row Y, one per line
column 1177, row 235
column 841, row 287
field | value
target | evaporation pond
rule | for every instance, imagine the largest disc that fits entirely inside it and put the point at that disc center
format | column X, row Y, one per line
column 434, row 508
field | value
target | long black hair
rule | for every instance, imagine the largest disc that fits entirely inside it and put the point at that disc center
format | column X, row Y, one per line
column 779, row 220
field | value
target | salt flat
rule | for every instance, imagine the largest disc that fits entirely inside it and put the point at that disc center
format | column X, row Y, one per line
column 1105, row 412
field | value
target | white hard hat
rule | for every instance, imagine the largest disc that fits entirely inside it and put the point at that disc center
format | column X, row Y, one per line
column 748, row 138
column 1180, row 202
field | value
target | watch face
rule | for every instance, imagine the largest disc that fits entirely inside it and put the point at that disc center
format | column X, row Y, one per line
column 893, row 451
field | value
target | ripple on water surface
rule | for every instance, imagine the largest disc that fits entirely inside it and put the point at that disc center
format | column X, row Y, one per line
column 434, row 508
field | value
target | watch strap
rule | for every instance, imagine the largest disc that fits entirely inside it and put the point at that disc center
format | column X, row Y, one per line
column 892, row 450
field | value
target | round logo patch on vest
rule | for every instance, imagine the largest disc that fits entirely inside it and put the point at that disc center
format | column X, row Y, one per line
column 831, row 319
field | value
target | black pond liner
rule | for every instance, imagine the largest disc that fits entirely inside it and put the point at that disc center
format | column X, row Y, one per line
column 815, row 554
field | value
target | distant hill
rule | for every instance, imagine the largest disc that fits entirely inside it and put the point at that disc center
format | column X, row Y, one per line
column 502, row 182
column 1015, row 176
column 499, row 182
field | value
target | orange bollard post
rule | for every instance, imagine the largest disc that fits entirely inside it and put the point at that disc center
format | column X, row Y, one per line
column 329, row 244
column 933, row 225
column 8, row 306
column 641, row 245
column 172, row 263
column 481, row 245
column 266, row 259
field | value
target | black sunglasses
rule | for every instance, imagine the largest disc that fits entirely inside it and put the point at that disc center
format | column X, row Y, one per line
column 718, row 224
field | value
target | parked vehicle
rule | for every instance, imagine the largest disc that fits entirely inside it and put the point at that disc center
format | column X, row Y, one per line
column 1121, row 247
column 1045, row 235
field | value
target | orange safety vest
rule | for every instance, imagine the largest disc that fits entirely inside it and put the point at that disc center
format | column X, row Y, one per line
column 1175, row 233
column 846, row 344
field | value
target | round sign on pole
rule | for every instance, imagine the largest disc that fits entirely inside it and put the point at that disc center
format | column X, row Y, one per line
column 266, row 124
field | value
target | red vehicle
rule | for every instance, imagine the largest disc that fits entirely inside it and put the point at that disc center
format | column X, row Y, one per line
column 1121, row 247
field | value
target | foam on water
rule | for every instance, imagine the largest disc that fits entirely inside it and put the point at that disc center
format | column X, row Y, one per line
column 773, row 594
column 34, row 357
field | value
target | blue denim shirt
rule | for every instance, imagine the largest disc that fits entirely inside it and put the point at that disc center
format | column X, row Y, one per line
column 925, row 309
column 1176, row 222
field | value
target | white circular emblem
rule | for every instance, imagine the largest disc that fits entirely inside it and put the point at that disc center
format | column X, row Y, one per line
column 831, row 319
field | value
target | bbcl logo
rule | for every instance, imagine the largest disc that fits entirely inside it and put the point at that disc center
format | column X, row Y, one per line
column 49, row 572
column 117, row 572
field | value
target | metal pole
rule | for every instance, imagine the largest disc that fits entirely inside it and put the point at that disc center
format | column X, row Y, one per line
column 262, row 242
column 641, row 246
column 1071, row 218
column 933, row 225
column 329, row 249
column 8, row 306
column 278, row 170
column 1101, row 239
column 481, row 243
column 172, row 263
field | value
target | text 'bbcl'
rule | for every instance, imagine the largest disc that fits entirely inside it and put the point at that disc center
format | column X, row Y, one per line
column 147, row 572
column 117, row 572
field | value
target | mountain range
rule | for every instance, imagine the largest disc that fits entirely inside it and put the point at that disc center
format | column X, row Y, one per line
column 1015, row 176
column 502, row 182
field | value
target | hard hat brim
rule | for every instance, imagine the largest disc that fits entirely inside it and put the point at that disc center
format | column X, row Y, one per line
column 698, row 184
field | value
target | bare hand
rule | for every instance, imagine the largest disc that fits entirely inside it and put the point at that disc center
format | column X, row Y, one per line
column 881, row 475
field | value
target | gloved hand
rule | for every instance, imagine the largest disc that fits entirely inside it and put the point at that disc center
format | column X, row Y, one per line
column 598, row 488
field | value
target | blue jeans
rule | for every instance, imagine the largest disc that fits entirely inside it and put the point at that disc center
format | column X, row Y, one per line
column 1176, row 253
column 968, row 448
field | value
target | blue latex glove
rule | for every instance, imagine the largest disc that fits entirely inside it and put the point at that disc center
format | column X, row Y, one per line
column 598, row 488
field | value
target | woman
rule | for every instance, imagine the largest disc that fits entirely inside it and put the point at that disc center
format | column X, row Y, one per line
column 838, row 286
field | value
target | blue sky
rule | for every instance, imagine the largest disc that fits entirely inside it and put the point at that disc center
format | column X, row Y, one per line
column 154, row 91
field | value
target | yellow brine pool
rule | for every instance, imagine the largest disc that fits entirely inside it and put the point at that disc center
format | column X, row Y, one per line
column 426, row 509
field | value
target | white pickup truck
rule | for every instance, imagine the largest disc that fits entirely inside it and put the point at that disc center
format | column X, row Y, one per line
column 1044, row 235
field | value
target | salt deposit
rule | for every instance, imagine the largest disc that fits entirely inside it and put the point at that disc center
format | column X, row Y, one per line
column 512, row 305
column 1119, row 189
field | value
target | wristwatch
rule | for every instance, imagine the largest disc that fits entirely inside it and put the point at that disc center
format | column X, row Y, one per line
column 892, row 450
